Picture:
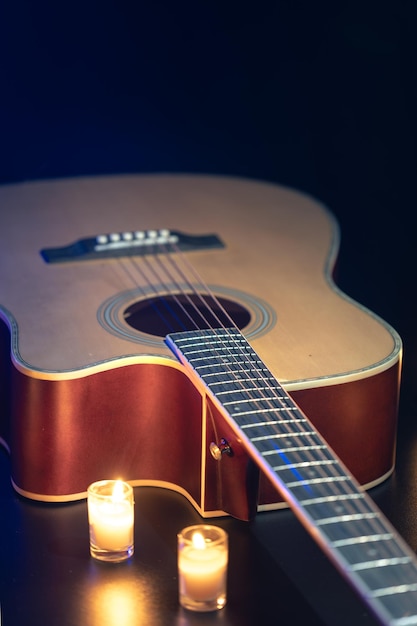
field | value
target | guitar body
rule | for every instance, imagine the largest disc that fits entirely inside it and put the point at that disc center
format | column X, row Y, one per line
column 85, row 395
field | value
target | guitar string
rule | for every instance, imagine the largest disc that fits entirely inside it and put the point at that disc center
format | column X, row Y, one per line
column 351, row 508
column 167, row 290
column 203, row 288
column 169, row 309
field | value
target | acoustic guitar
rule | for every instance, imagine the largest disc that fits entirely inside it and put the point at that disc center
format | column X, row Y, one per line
column 186, row 332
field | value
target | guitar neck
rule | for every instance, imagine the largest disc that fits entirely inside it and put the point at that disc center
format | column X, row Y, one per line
column 329, row 502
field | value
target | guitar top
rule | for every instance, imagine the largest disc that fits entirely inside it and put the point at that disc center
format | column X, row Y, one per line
column 274, row 259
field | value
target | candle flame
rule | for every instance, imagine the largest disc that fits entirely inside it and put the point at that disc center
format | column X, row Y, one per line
column 117, row 495
column 198, row 541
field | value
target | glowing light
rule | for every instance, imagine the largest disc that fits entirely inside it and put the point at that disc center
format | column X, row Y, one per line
column 198, row 541
column 117, row 495
column 118, row 603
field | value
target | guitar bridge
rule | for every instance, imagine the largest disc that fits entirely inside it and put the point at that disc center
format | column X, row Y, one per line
column 130, row 243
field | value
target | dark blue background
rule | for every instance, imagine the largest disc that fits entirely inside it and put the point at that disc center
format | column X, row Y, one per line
column 320, row 96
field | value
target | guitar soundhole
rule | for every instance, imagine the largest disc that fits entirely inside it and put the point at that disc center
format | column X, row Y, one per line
column 160, row 315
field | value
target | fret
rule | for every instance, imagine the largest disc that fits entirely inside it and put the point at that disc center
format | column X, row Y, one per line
column 294, row 447
column 339, row 499
column 279, row 427
column 240, row 364
column 258, row 384
column 372, row 548
column 307, row 472
column 395, row 589
column 210, row 372
column 273, row 408
column 224, row 358
column 218, row 341
column 298, row 449
column 267, row 438
column 310, row 465
column 227, row 354
column 328, row 501
column 267, row 403
column 360, row 527
column 273, row 420
column 318, row 490
column 384, row 562
column 395, row 578
column 244, row 370
column 287, row 438
column 238, row 412
column 351, row 517
column 327, row 509
column 225, row 367
column 299, row 435
column 315, row 481
column 358, row 541
column 254, row 390
column 269, row 414
column 299, row 452
column 406, row 621
column 400, row 607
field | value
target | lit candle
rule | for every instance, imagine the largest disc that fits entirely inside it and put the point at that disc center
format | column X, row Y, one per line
column 202, row 567
column 111, row 519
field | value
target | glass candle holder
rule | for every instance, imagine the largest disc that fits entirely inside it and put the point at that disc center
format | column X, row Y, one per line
column 111, row 520
column 202, row 567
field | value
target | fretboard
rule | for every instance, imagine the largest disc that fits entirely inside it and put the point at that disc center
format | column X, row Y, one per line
column 342, row 518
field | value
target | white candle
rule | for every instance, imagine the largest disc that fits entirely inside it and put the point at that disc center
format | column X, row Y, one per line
column 111, row 519
column 202, row 567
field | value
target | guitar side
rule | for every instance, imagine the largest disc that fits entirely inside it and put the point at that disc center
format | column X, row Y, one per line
column 82, row 403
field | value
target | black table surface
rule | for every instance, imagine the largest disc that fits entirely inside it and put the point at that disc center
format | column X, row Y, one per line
column 277, row 575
